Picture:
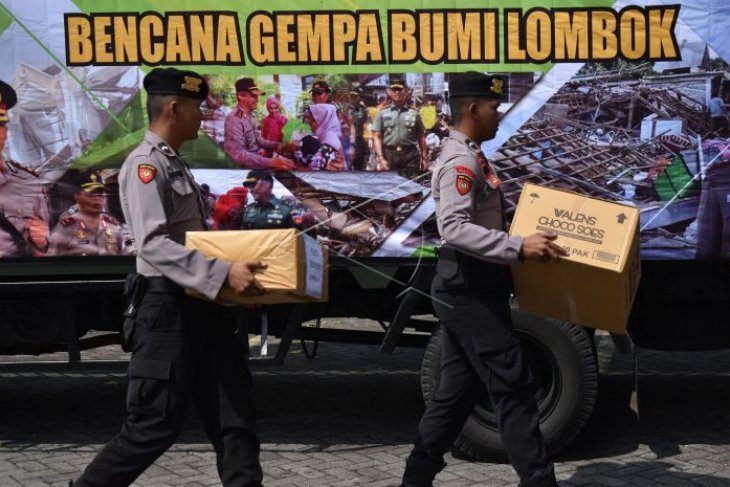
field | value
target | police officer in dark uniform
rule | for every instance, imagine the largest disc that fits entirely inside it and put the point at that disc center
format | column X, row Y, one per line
column 267, row 211
column 470, row 293
column 182, row 348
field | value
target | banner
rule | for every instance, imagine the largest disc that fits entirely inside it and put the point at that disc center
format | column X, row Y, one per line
column 622, row 101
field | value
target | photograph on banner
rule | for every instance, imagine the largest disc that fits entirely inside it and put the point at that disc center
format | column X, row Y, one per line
column 356, row 214
column 54, row 118
column 650, row 135
column 317, row 138
column 338, row 122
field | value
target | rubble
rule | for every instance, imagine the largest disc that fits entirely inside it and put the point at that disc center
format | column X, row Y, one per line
column 636, row 141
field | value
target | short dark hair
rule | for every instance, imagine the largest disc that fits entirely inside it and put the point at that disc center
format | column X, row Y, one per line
column 460, row 104
column 155, row 105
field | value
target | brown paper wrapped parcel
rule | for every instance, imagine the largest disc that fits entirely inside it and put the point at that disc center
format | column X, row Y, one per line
column 297, row 263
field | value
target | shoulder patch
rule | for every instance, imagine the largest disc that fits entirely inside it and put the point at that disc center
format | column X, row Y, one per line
column 464, row 182
column 146, row 172
column 67, row 221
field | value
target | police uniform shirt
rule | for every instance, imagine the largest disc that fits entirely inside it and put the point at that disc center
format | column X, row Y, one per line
column 242, row 142
column 161, row 201
column 469, row 206
column 400, row 126
column 23, row 197
column 273, row 214
column 73, row 236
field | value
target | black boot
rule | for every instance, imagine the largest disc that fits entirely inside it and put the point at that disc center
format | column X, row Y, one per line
column 420, row 472
column 542, row 480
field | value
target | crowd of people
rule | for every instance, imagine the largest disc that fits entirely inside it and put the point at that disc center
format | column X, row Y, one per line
column 345, row 131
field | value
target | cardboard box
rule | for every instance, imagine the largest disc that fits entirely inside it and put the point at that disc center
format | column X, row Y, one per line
column 595, row 285
column 297, row 263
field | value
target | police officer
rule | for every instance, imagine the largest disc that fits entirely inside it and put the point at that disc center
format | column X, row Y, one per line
column 241, row 140
column 182, row 348
column 267, row 211
column 470, row 294
column 85, row 228
column 398, row 134
column 23, row 203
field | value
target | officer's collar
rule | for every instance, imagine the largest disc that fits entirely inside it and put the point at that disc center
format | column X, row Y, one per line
column 401, row 107
column 156, row 141
column 461, row 137
column 272, row 202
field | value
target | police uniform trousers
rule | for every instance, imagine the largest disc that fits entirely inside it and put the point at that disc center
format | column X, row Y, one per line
column 406, row 161
column 713, row 216
column 481, row 360
column 181, row 351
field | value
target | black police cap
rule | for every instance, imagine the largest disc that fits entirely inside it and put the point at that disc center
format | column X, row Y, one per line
column 90, row 181
column 171, row 81
column 477, row 85
column 256, row 175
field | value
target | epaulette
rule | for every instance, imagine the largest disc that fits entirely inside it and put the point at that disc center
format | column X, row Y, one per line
column 16, row 166
column 109, row 219
column 165, row 149
column 67, row 221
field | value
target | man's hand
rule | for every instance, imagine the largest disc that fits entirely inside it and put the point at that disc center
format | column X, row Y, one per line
column 282, row 164
column 242, row 280
column 541, row 246
column 38, row 232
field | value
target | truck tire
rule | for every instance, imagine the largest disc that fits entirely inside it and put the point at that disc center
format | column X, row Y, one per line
column 563, row 362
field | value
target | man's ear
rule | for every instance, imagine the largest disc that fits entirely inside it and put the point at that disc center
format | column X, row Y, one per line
column 173, row 109
column 473, row 109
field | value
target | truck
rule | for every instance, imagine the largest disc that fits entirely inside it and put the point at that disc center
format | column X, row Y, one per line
column 623, row 121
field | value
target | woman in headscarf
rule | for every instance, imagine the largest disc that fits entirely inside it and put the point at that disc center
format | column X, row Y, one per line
column 272, row 124
column 323, row 151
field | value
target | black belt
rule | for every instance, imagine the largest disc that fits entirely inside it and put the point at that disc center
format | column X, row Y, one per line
column 402, row 148
column 161, row 284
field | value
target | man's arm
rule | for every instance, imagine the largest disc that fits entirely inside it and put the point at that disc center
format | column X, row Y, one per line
column 422, row 145
column 233, row 144
column 459, row 181
column 145, row 214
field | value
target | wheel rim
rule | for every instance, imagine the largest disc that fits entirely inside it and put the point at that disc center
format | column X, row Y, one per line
column 545, row 370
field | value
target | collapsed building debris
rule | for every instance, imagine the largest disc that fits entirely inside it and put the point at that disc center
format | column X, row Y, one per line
column 357, row 212
column 633, row 141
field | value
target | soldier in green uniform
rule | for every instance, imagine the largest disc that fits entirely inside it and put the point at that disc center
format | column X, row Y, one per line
column 267, row 211
column 85, row 228
column 398, row 134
